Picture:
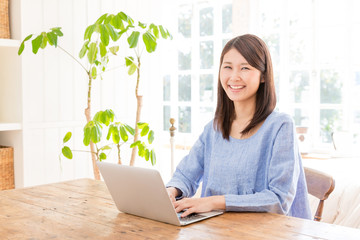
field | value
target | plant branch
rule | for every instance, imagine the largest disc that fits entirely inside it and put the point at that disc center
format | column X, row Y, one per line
column 73, row 57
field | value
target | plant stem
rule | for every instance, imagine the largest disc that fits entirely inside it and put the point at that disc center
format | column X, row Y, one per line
column 138, row 113
column 73, row 57
column 119, row 157
column 88, row 119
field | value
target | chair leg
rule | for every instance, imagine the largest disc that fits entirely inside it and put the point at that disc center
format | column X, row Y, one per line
column 319, row 210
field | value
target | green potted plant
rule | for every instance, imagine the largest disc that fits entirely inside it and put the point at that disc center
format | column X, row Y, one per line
column 101, row 40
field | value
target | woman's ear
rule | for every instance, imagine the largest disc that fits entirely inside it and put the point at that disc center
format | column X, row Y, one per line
column 262, row 79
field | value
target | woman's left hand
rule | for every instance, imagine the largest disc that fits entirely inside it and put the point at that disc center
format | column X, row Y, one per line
column 199, row 205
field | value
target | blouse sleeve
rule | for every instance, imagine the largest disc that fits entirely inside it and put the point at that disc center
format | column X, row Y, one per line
column 282, row 177
column 190, row 170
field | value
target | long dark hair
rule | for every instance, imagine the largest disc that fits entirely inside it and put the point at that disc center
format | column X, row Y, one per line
column 256, row 53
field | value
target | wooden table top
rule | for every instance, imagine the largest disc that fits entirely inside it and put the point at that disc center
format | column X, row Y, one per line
column 83, row 209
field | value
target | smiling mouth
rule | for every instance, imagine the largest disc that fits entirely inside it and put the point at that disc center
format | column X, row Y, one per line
column 236, row 87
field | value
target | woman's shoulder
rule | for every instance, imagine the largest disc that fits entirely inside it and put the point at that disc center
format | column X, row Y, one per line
column 279, row 118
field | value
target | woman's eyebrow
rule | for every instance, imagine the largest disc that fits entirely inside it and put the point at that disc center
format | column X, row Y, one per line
column 244, row 63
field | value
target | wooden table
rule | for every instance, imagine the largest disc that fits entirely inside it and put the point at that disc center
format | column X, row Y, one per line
column 83, row 209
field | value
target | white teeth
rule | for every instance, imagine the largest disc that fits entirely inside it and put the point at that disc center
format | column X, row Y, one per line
column 236, row 87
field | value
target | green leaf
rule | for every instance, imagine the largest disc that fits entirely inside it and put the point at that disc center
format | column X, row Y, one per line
column 44, row 42
column 116, row 135
column 66, row 151
column 93, row 72
column 153, row 157
column 163, row 32
column 52, row 38
column 126, row 18
column 129, row 61
column 110, row 113
column 135, row 144
column 87, row 136
column 36, row 43
column 92, row 53
column 102, row 18
column 106, row 147
column 108, row 19
column 129, row 129
column 150, row 42
column 151, row 137
column 155, row 30
column 147, row 154
column 144, row 131
column 123, row 134
column 102, row 156
column 141, row 125
column 132, row 69
column 109, row 132
column 113, row 34
column 22, row 45
column 117, row 22
column 57, row 31
column 89, row 31
column 133, row 39
column 96, row 133
column 97, row 117
column 84, row 49
column 102, row 49
column 141, row 151
column 142, row 25
column 67, row 137
column 114, row 49
column 104, row 35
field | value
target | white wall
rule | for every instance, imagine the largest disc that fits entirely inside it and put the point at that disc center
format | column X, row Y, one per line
column 55, row 87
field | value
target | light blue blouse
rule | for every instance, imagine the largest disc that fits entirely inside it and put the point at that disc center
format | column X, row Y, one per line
column 263, row 173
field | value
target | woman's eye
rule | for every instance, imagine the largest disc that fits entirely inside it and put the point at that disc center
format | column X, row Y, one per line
column 245, row 68
column 227, row 67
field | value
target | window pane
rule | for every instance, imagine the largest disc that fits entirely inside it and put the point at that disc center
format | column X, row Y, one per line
column 206, row 55
column 355, row 91
column 330, row 121
column 273, row 43
column 206, row 114
column 227, row 18
column 184, row 88
column 301, row 117
column 206, row 88
column 166, row 117
column 184, row 59
column 300, row 51
column 206, row 21
column 270, row 19
column 333, row 8
column 356, row 127
column 166, row 88
column 184, row 22
column 224, row 42
column 330, row 86
column 299, row 81
column 300, row 13
column 185, row 119
column 331, row 47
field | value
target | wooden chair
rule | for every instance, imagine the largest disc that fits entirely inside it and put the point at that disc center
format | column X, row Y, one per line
column 319, row 185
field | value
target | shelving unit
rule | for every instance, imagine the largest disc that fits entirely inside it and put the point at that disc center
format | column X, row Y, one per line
column 11, row 117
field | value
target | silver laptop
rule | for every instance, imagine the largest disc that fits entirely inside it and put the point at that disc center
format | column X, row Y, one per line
column 141, row 192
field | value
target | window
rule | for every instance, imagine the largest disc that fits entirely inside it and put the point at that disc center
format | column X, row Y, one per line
column 315, row 63
column 189, row 94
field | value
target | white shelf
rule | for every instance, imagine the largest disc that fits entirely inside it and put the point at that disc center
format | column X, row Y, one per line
column 10, row 126
column 9, row 42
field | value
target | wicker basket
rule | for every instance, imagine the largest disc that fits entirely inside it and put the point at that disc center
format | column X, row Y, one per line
column 6, row 168
column 4, row 19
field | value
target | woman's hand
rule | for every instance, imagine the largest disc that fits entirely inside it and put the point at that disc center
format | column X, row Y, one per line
column 173, row 193
column 199, row 205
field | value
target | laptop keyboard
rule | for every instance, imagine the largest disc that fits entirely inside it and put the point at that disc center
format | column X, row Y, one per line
column 193, row 216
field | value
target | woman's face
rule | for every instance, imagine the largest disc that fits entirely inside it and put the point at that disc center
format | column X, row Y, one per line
column 238, row 78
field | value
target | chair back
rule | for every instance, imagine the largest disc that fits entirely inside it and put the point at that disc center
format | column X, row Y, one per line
column 319, row 185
